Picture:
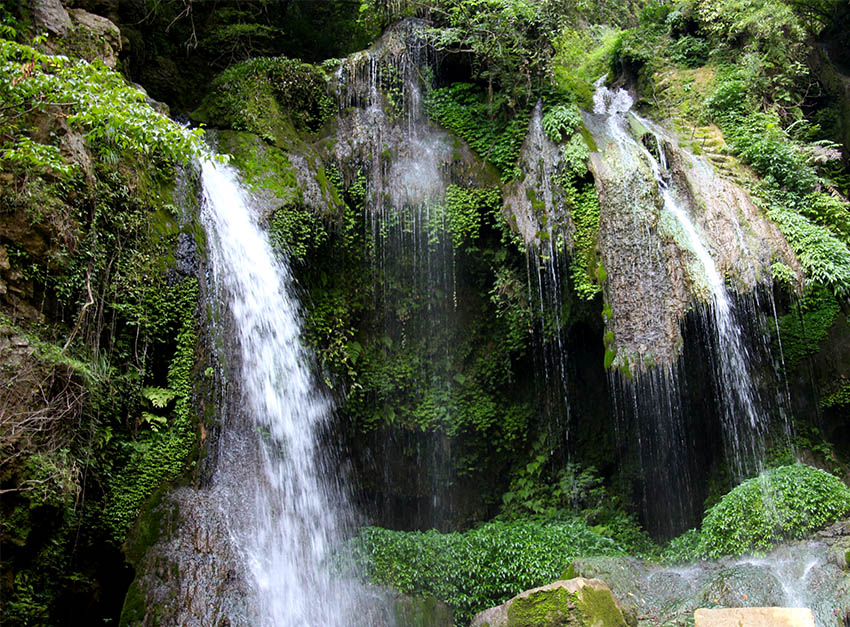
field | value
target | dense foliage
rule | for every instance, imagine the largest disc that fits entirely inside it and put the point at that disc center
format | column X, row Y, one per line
column 477, row 569
column 781, row 503
column 104, row 324
column 112, row 115
column 462, row 108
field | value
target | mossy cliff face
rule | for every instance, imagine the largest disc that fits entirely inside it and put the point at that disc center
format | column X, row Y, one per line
column 98, row 318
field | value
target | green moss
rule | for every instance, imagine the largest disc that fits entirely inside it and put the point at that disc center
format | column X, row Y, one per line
column 599, row 608
column 136, row 610
column 273, row 98
column 610, row 355
column 263, row 167
column 544, row 608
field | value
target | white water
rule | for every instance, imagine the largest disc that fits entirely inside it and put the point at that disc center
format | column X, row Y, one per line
column 744, row 424
column 285, row 512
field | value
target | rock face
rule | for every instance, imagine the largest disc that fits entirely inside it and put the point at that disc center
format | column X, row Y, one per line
column 578, row 602
column 754, row 617
column 50, row 14
column 654, row 274
column 97, row 37
column 535, row 204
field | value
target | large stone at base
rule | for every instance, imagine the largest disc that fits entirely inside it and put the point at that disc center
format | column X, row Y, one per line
column 754, row 617
column 575, row 602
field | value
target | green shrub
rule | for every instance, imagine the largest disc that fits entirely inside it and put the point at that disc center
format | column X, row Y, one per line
column 684, row 548
column 477, row 569
column 94, row 100
column 560, row 121
column 690, row 51
column 463, row 109
column 781, row 503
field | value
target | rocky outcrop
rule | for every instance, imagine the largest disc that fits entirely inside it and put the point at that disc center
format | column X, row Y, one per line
column 78, row 33
column 383, row 126
column 574, row 602
column 654, row 274
column 51, row 15
column 95, row 37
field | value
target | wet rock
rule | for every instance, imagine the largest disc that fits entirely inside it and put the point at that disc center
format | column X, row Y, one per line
column 576, row 602
column 743, row 243
column 535, row 203
column 745, row 585
column 755, row 617
column 653, row 276
column 799, row 574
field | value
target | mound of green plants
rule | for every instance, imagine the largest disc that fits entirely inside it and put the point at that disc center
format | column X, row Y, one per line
column 476, row 569
column 268, row 96
column 781, row 503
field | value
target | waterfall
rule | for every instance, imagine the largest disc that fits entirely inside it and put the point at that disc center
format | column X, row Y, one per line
column 744, row 424
column 283, row 509
column 660, row 261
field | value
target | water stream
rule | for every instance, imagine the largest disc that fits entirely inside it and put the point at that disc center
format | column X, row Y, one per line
column 744, row 423
column 286, row 509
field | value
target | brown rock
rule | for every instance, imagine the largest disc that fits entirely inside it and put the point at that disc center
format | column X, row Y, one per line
column 105, row 36
column 50, row 14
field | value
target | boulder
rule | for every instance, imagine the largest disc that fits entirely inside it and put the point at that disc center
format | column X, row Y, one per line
column 575, row 602
column 51, row 15
column 95, row 37
column 754, row 617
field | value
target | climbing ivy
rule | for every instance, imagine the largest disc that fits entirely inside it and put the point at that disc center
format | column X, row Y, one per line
column 462, row 108
column 160, row 455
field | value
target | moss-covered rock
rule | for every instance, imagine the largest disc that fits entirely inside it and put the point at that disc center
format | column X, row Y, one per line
column 575, row 602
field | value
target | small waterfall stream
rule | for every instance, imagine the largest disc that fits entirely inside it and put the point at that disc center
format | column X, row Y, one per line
column 283, row 508
column 673, row 252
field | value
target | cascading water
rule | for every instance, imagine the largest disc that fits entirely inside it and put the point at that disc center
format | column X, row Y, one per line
column 283, row 508
column 744, row 424
column 405, row 164
column 658, row 259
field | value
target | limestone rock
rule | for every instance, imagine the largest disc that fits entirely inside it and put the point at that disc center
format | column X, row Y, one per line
column 573, row 602
column 50, row 14
column 102, row 37
column 754, row 617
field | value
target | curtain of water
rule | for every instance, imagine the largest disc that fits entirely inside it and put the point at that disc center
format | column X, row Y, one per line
column 736, row 396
